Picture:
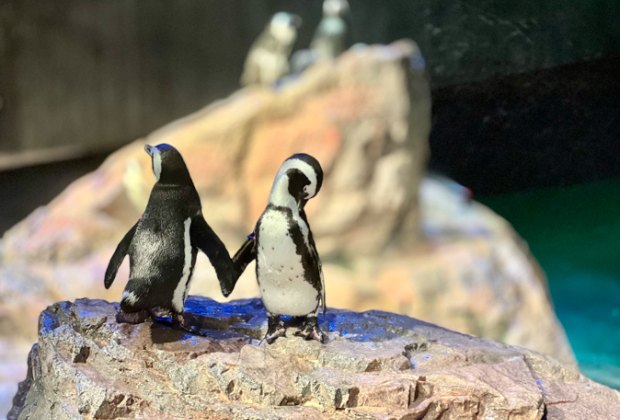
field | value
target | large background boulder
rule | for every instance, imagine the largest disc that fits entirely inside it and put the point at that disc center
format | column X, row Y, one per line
column 389, row 238
column 374, row 365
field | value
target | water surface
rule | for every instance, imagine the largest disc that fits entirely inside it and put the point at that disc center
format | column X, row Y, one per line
column 574, row 232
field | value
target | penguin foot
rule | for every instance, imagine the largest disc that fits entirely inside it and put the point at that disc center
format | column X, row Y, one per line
column 158, row 312
column 132, row 317
column 311, row 331
column 275, row 329
column 178, row 321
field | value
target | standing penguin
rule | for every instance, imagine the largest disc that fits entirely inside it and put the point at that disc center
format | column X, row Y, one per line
column 162, row 245
column 288, row 268
column 330, row 38
column 267, row 60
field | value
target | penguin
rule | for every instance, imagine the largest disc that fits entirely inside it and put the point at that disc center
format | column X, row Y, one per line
column 288, row 267
column 268, row 58
column 163, row 244
column 330, row 37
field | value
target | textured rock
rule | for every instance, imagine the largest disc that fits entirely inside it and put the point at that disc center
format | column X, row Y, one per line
column 375, row 365
column 385, row 243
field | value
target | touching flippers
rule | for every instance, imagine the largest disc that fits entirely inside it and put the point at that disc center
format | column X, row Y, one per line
column 205, row 239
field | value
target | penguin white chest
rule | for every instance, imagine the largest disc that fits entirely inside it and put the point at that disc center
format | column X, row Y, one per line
column 280, row 272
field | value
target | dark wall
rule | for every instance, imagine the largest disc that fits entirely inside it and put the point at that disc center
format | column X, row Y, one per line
column 99, row 73
column 551, row 127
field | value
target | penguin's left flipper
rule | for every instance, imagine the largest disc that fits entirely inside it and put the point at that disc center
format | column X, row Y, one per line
column 205, row 239
column 118, row 256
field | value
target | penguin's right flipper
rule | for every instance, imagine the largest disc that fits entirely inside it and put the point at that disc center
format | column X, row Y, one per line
column 245, row 255
column 205, row 239
column 118, row 256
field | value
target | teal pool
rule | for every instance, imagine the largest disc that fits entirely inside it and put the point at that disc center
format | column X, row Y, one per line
column 574, row 232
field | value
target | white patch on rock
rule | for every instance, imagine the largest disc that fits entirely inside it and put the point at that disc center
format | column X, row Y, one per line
column 178, row 298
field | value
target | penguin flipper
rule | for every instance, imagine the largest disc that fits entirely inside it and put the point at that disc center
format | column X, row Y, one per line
column 118, row 256
column 245, row 254
column 205, row 239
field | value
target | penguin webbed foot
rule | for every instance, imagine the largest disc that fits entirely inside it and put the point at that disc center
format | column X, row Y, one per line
column 310, row 330
column 178, row 322
column 139, row 317
column 169, row 317
column 275, row 329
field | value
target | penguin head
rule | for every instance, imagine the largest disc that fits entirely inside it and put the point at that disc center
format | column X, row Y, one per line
column 335, row 7
column 283, row 27
column 298, row 180
column 168, row 164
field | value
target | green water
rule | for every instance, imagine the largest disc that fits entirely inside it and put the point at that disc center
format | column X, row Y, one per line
column 574, row 232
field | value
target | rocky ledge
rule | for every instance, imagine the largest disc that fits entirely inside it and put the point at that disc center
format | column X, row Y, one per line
column 375, row 365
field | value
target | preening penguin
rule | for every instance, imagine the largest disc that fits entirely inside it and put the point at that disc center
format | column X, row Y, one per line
column 268, row 58
column 288, row 268
column 163, row 244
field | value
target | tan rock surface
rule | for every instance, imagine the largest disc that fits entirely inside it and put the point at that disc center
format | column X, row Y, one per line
column 386, row 243
column 375, row 365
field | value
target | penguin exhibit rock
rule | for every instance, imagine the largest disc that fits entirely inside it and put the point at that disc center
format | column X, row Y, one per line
column 288, row 268
column 330, row 38
column 162, row 245
column 268, row 58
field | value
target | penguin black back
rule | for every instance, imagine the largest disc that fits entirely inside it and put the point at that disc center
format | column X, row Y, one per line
column 163, row 244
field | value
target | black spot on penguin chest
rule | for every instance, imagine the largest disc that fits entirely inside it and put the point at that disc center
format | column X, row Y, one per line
column 309, row 257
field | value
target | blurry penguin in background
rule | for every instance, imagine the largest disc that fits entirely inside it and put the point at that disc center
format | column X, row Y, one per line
column 163, row 244
column 330, row 38
column 268, row 58
column 288, row 267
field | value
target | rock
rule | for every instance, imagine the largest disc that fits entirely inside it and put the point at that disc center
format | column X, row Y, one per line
column 375, row 365
column 12, row 368
column 388, row 240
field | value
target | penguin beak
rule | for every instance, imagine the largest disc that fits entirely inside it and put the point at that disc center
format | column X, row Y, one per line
column 148, row 149
column 296, row 20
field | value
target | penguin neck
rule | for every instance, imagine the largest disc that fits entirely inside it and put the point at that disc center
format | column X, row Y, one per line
column 281, row 197
column 178, row 179
column 175, row 174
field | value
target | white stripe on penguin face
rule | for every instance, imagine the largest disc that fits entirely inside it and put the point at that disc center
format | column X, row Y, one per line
column 306, row 169
column 156, row 162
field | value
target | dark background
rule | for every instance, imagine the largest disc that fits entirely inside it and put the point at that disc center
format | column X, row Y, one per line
column 525, row 93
